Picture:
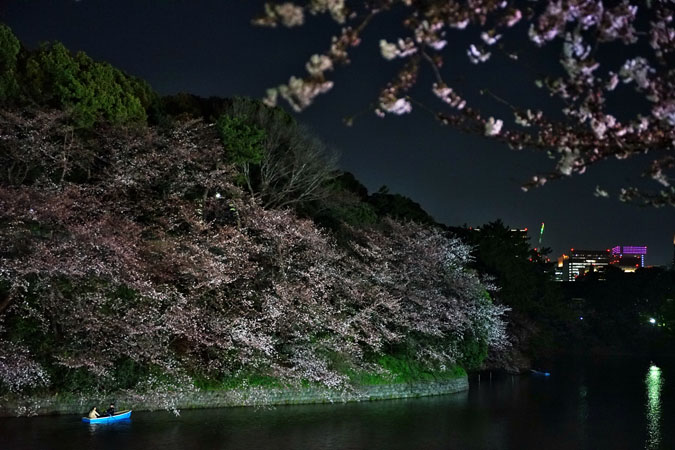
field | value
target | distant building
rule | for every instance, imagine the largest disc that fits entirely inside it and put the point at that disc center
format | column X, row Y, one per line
column 628, row 258
column 579, row 262
column 522, row 232
column 559, row 269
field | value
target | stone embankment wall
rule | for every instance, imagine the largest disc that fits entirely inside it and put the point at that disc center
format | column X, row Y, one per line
column 228, row 398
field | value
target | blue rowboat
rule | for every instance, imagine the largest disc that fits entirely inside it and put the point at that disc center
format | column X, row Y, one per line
column 107, row 419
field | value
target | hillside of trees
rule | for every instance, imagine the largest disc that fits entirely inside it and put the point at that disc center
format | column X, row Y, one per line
column 151, row 243
column 148, row 241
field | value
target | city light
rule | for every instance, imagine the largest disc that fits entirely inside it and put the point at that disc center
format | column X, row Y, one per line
column 652, row 320
column 630, row 250
column 580, row 262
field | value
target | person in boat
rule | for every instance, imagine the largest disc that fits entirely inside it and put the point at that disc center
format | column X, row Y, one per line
column 93, row 413
column 110, row 411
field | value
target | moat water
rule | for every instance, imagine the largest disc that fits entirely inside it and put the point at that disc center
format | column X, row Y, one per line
column 615, row 403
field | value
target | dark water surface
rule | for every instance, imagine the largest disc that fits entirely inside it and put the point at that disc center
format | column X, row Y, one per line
column 600, row 404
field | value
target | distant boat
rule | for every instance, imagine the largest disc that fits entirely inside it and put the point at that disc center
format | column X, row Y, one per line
column 107, row 419
column 540, row 373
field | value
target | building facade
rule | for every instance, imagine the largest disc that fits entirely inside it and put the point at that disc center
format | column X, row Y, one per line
column 579, row 262
column 628, row 258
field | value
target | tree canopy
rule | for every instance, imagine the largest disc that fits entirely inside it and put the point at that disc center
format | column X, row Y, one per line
column 143, row 232
column 157, row 245
column 89, row 91
column 612, row 95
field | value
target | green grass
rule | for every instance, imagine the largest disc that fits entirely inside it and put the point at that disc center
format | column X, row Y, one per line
column 396, row 370
column 237, row 382
column 403, row 370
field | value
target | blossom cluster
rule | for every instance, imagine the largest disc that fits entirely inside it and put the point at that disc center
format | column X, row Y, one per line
column 138, row 263
column 589, row 30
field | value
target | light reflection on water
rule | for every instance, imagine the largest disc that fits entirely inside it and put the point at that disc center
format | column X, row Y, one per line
column 583, row 414
column 654, row 383
column 120, row 426
column 598, row 404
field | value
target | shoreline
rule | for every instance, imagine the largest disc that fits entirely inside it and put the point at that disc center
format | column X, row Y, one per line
column 197, row 399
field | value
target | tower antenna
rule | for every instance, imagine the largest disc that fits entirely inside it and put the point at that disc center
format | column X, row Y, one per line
column 541, row 234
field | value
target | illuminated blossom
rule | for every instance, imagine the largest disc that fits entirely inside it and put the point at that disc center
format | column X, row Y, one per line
column 447, row 95
column 585, row 30
column 490, row 38
column 396, row 106
column 637, row 70
column 388, row 50
column 318, row 64
column 209, row 285
column 493, row 127
column 336, row 8
column 477, row 55
column 290, row 14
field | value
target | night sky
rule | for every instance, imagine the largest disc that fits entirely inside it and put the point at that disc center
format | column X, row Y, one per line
column 209, row 48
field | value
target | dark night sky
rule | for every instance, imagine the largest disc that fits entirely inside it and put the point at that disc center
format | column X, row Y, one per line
column 209, row 48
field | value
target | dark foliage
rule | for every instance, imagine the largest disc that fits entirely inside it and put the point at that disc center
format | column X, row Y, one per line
column 616, row 311
column 89, row 91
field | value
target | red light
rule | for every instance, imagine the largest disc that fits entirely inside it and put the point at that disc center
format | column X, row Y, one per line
column 637, row 265
column 607, row 249
column 525, row 228
column 571, row 249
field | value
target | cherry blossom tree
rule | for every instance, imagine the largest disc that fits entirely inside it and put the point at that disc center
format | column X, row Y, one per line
column 428, row 293
column 609, row 52
column 130, row 247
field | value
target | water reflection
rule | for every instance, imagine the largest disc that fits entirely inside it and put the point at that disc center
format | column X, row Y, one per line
column 654, row 382
column 583, row 404
column 580, row 407
column 583, row 414
column 123, row 425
